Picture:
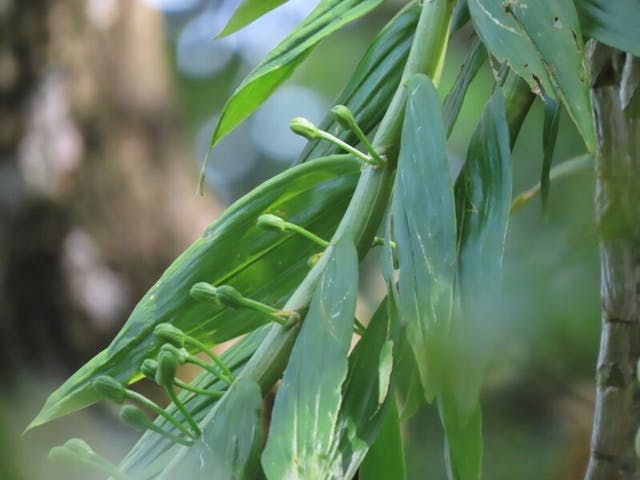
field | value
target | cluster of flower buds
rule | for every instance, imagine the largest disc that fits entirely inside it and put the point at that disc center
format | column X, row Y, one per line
column 303, row 127
column 79, row 452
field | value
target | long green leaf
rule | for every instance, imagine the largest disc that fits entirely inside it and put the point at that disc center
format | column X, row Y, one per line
column 362, row 412
column 152, row 453
column 261, row 264
column 277, row 66
column 307, row 404
column 453, row 102
column 549, row 136
column 483, row 195
column 373, row 82
column 247, row 12
column 385, row 459
column 613, row 22
column 542, row 42
column 463, row 440
column 229, row 448
column 424, row 229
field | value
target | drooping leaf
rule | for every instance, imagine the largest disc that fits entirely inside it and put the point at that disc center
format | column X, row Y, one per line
column 385, row 458
column 247, row 12
column 614, row 23
column 373, row 82
column 424, row 229
column 263, row 265
column 542, row 42
column 453, row 102
column 549, row 135
column 460, row 15
column 277, row 66
column 361, row 414
column 483, row 198
column 152, row 453
column 308, row 400
column 463, row 440
column 229, row 447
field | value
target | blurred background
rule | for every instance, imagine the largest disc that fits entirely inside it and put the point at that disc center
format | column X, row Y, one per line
column 106, row 111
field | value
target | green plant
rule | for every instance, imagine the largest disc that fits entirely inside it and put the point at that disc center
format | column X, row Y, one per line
column 281, row 265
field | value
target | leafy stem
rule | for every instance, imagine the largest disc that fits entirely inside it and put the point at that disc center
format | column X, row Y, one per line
column 366, row 209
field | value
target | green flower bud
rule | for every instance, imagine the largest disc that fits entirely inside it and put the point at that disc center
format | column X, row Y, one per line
column 110, row 388
column 303, row 127
column 139, row 420
column 167, row 366
column 230, row 297
column 169, row 333
column 77, row 451
column 204, row 292
column 61, row 455
column 135, row 417
column 181, row 354
column 344, row 117
column 272, row 222
column 148, row 368
column 74, row 451
column 79, row 447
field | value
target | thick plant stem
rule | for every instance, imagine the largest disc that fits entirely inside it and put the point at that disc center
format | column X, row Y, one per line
column 617, row 208
column 369, row 202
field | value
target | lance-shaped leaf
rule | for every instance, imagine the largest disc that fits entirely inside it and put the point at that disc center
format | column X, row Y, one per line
column 279, row 64
column 363, row 411
column 549, row 136
column 483, row 196
column 247, row 12
column 483, row 200
column 308, row 400
column 373, row 82
column 385, row 458
column 542, row 42
column 463, row 437
column 229, row 448
column 453, row 102
column 263, row 265
column 424, row 229
column 152, row 453
column 614, row 23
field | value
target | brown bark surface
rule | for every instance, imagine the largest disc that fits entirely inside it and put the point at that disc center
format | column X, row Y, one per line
column 617, row 206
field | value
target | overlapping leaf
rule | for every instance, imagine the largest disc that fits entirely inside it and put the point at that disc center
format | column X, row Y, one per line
column 424, row 227
column 229, row 448
column 385, row 459
column 463, row 437
column 247, row 12
column 373, row 82
column 549, row 136
column 542, row 42
column 362, row 411
column 308, row 401
column 453, row 102
column 483, row 196
column 279, row 64
column 262, row 265
column 614, row 23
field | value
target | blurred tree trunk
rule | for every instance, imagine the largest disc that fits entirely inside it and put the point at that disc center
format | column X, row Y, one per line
column 616, row 100
column 98, row 190
column 96, row 198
